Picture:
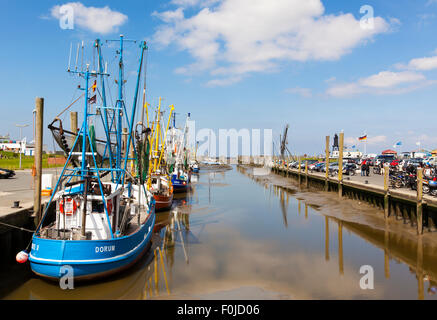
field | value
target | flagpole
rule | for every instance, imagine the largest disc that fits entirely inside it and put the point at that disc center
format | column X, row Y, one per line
column 365, row 144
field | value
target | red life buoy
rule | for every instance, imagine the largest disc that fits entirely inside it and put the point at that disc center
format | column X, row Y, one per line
column 70, row 207
column 109, row 206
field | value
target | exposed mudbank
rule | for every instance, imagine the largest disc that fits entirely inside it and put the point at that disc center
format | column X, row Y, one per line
column 328, row 203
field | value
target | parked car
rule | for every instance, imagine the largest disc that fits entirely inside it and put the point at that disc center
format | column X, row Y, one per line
column 384, row 158
column 292, row 164
column 415, row 162
column 332, row 166
column 6, row 173
column 312, row 166
column 319, row 166
column 348, row 169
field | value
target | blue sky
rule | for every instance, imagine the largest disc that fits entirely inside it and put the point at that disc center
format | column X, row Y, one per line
column 244, row 64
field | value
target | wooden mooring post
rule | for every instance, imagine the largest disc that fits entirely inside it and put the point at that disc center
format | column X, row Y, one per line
column 340, row 248
column 327, row 164
column 419, row 200
column 73, row 121
column 340, row 166
column 326, row 238
column 386, row 192
column 306, row 174
column 39, row 106
column 299, row 170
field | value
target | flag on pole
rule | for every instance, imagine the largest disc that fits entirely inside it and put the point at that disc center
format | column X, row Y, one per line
column 397, row 144
column 94, row 86
column 362, row 138
column 92, row 99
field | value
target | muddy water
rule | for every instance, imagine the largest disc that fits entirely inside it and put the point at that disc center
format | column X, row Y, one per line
column 239, row 237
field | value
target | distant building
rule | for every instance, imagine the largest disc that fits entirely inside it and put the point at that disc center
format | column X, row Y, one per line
column 10, row 145
column 17, row 146
column 388, row 151
column 417, row 154
column 347, row 154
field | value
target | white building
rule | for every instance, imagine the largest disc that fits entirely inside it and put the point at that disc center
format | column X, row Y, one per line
column 347, row 154
column 17, row 147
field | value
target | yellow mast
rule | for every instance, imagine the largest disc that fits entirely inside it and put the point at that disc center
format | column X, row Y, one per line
column 147, row 112
column 157, row 134
column 165, row 135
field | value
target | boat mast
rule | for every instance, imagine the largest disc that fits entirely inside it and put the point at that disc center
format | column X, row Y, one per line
column 119, row 109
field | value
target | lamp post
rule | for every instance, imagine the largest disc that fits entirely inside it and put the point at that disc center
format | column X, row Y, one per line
column 21, row 126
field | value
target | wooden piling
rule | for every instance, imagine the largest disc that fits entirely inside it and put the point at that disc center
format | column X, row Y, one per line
column 340, row 165
column 340, row 248
column 386, row 255
column 419, row 269
column 326, row 238
column 306, row 173
column 419, row 200
column 386, row 193
column 299, row 169
column 39, row 103
column 327, row 164
column 73, row 121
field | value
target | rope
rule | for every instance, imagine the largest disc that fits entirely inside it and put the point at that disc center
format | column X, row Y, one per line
column 20, row 228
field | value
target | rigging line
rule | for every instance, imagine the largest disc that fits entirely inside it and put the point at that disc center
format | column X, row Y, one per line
column 54, row 150
column 16, row 227
column 70, row 105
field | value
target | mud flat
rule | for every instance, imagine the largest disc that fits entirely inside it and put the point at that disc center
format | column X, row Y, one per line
column 345, row 209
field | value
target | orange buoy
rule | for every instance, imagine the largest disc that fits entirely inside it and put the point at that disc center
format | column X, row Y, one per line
column 22, row 256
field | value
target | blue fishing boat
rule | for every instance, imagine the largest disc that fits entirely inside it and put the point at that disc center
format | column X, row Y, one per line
column 181, row 182
column 104, row 215
column 181, row 173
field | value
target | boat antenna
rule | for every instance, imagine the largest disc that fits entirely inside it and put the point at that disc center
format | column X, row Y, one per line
column 81, row 67
column 77, row 56
column 69, row 57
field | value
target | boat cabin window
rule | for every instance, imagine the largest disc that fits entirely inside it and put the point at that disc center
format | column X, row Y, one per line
column 97, row 206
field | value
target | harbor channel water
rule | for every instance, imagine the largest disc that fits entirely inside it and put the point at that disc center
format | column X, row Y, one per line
column 235, row 236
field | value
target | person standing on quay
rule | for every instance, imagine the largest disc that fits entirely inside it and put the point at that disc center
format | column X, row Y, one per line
column 367, row 168
column 363, row 168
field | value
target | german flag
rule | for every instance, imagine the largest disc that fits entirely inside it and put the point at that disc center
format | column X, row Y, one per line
column 94, row 86
column 363, row 138
column 92, row 100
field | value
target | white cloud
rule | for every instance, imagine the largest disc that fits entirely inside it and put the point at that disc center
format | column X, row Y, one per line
column 304, row 92
column 385, row 82
column 190, row 3
column 388, row 79
column 424, row 64
column 344, row 90
column 223, row 82
column 99, row 20
column 236, row 37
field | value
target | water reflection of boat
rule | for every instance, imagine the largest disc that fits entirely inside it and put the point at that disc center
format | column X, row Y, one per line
column 129, row 284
